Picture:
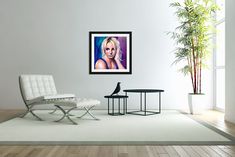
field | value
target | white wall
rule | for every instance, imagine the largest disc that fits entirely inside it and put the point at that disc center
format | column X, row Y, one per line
column 230, row 62
column 51, row 37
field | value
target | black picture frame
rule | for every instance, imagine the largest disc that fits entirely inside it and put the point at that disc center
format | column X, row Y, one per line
column 98, row 54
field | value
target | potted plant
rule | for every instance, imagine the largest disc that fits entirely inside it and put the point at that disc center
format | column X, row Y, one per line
column 192, row 37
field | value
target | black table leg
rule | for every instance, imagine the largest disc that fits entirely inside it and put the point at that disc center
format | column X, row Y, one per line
column 113, row 105
column 108, row 106
column 159, row 102
column 141, row 101
column 123, row 103
column 126, row 101
column 145, row 104
column 119, row 105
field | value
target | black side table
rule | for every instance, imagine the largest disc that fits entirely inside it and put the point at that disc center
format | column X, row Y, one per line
column 144, row 111
column 119, row 98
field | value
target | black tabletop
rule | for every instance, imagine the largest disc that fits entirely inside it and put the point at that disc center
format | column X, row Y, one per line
column 116, row 96
column 143, row 90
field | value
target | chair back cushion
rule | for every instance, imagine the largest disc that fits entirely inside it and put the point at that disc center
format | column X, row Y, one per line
column 33, row 86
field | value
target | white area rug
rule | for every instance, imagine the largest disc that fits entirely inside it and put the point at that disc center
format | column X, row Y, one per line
column 169, row 127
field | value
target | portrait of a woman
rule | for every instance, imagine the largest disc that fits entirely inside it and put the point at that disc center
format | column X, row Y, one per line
column 110, row 53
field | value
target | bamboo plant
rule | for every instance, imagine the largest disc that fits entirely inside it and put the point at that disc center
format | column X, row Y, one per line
column 192, row 37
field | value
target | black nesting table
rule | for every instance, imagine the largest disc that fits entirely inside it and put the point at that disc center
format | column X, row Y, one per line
column 143, row 106
column 119, row 98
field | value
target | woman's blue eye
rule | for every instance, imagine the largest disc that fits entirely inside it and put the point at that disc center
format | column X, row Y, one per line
column 107, row 49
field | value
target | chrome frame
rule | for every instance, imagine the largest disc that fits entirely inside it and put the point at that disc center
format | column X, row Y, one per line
column 65, row 114
column 53, row 111
column 88, row 112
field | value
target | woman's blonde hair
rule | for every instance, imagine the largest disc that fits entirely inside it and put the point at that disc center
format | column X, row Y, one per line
column 116, row 44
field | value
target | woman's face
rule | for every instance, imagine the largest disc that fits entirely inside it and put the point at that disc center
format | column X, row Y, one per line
column 110, row 50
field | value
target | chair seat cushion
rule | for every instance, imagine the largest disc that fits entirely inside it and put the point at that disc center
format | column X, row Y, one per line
column 35, row 100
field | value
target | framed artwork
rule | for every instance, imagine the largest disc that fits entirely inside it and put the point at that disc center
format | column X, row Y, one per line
column 110, row 53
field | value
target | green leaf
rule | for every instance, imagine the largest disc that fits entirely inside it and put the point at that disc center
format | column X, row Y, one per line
column 192, row 36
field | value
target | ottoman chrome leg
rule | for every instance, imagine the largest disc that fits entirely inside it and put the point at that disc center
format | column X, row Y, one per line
column 53, row 111
column 66, row 114
column 56, row 110
column 88, row 112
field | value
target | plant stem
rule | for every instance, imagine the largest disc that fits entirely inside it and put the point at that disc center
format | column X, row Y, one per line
column 200, row 77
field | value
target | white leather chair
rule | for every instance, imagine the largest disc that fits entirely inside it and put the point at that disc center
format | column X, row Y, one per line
column 40, row 89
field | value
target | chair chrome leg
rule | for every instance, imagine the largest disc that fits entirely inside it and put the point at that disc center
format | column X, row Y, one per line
column 35, row 115
column 66, row 114
column 88, row 112
column 29, row 110
column 24, row 114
